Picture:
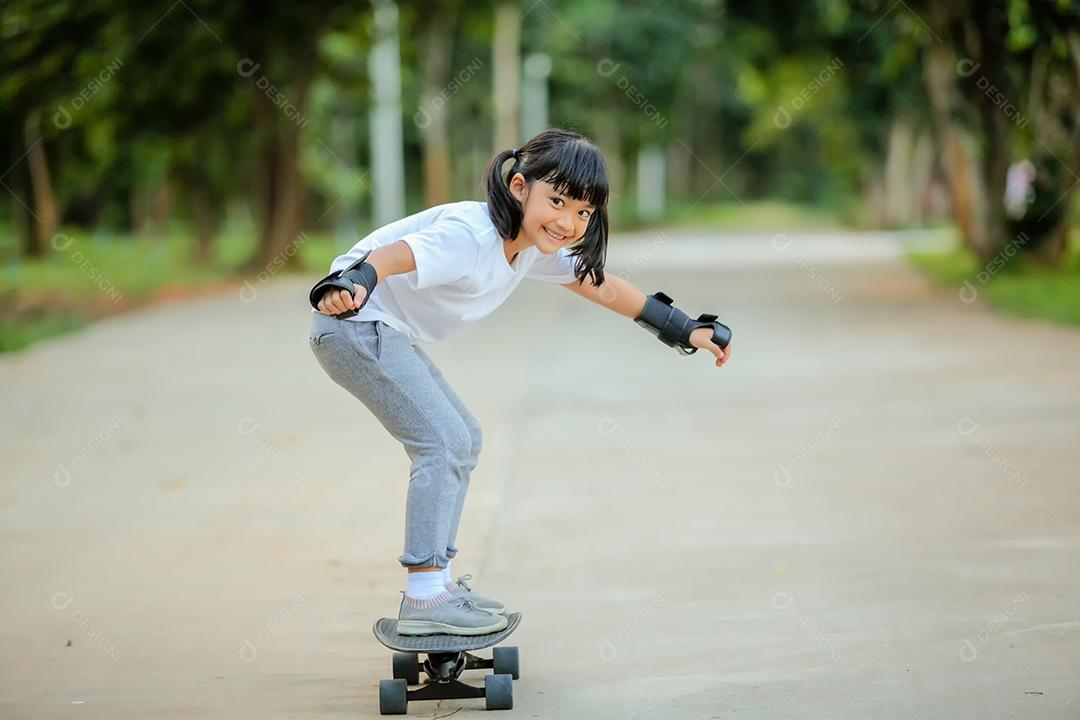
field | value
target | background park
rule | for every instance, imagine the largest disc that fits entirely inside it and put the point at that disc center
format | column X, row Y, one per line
column 871, row 511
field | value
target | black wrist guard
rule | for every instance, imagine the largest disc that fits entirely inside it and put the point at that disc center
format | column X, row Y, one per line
column 359, row 273
column 673, row 326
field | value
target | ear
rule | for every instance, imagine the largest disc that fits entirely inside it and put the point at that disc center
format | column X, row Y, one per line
column 519, row 188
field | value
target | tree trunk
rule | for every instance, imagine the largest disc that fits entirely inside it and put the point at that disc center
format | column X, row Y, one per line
column 386, row 133
column 204, row 211
column 994, row 168
column 974, row 131
column 506, row 65
column 692, row 118
column 22, row 223
column 1056, row 119
column 345, row 218
column 161, row 204
column 432, row 117
column 651, row 173
column 606, row 126
column 278, row 191
column 286, row 218
column 994, row 127
column 922, row 174
column 278, row 197
column 137, row 208
column 953, row 140
column 264, row 182
column 45, row 209
column 897, row 195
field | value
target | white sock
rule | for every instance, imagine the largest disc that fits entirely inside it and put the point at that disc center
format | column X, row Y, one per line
column 425, row 585
column 447, row 578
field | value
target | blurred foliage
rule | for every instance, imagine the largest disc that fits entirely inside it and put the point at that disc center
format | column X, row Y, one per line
column 717, row 74
column 162, row 121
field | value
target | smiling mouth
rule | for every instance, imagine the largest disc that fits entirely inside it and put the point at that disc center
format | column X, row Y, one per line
column 555, row 237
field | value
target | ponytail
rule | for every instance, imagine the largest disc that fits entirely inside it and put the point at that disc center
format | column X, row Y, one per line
column 503, row 207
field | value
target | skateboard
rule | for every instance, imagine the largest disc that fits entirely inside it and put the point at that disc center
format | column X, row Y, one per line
column 447, row 657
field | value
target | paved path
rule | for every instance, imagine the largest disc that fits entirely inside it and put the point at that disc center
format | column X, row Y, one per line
column 871, row 512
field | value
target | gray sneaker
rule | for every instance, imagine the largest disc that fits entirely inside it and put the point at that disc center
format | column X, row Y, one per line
column 456, row 615
column 459, row 587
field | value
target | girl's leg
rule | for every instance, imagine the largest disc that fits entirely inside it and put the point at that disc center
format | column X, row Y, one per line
column 474, row 454
column 377, row 365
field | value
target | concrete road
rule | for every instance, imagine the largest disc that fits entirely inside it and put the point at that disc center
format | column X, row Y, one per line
column 871, row 512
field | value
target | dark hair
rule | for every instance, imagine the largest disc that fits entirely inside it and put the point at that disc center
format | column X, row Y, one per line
column 574, row 165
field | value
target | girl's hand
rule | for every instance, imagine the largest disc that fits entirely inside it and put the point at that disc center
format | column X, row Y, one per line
column 702, row 338
column 335, row 302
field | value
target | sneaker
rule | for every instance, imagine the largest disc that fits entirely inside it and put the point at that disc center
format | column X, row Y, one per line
column 446, row 614
column 459, row 588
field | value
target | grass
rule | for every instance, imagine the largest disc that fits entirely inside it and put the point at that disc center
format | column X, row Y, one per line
column 764, row 215
column 1022, row 289
column 99, row 274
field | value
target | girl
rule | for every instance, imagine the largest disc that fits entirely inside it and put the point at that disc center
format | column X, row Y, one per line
column 424, row 276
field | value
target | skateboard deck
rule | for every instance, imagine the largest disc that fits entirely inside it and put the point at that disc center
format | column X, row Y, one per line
column 448, row 656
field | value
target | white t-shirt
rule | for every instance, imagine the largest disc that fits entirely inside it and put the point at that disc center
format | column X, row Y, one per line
column 461, row 271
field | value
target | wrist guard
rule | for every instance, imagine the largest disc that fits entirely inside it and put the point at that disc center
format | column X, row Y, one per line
column 359, row 273
column 673, row 326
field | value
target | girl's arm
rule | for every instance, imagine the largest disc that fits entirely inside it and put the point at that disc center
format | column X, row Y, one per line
column 615, row 294
column 393, row 259
column 620, row 296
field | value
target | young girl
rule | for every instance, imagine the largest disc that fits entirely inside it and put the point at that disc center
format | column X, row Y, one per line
column 423, row 277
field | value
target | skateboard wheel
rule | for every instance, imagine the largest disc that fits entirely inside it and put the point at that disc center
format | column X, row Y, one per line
column 498, row 692
column 504, row 661
column 407, row 667
column 393, row 697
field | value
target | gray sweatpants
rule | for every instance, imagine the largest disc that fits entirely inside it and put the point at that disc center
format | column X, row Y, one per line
column 403, row 389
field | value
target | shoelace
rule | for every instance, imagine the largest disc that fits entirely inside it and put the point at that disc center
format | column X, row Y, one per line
column 461, row 581
column 468, row 604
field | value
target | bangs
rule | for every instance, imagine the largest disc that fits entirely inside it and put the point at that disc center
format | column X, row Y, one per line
column 577, row 170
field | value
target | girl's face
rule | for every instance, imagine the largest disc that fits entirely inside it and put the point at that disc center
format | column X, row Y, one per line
column 550, row 219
